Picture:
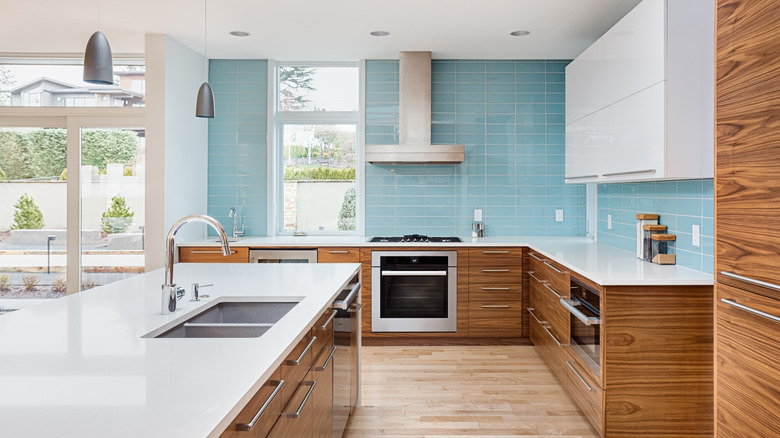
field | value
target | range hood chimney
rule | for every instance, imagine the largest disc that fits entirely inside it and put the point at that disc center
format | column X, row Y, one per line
column 414, row 123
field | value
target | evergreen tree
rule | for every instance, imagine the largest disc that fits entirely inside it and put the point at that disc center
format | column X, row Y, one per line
column 294, row 83
column 347, row 214
column 27, row 215
column 118, row 217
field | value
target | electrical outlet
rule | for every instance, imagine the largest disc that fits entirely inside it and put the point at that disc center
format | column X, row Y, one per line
column 559, row 215
column 478, row 215
column 609, row 221
column 696, row 236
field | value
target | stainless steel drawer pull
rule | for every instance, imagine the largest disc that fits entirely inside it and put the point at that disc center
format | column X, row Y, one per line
column 297, row 413
column 551, row 290
column 325, row 365
column 338, row 252
column 750, row 310
column 547, row 329
column 495, row 252
column 495, row 288
column 531, row 273
column 355, row 309
column 346, row 302
column 531, row 311
column 298, row 361
column 327, row 323
column 197, row 251
column 554, row 268
column 629, row 173
column 581, row 177
column 532, row 254
column 256, row 418
column 580, row 377
column 571, row 306
column 495, row 270
column 751, row 280
column 495, row 306
column 415, row 273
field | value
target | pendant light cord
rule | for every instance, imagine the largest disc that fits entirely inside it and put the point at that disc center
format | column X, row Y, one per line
column 206, row 38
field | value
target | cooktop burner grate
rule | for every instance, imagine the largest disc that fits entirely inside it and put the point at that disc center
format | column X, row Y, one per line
column 412, row 238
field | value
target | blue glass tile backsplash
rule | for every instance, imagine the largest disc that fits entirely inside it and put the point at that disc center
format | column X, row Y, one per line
column 510, row 117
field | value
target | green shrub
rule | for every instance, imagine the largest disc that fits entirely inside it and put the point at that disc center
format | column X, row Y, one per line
column 48, row 149
column 347, row 213
column 318, row 173
column 118, row 217
column 13, row 155
column 27, row 215
column 103, row 146
column 64, row 174
column 4, row 282
column 2, row 175
column 128, row 171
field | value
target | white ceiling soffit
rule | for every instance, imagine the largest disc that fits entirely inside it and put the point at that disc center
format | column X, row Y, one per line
column 318, row 30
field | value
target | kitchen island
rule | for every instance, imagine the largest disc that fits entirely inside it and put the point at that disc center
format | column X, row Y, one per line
column 80, row 366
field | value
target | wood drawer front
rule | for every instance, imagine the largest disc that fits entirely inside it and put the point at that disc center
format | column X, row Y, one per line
column 323, row 330
column 496, row 256
column 548, row 308
column 266, row 419
column 495, row 318
column 748, row 346
column 548, row 270
column 212, row 254
column 495, row 291
column 338, row 255
column 495, row 274
column 322, row 407
column 586, row 393
column 301, row 426
column 293, row 373
column 553, row 353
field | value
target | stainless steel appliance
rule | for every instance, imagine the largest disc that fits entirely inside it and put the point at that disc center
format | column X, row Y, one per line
column 585, row 321
column 415, row 238
column 414, row 291
column 346, row 359
column 283, row 256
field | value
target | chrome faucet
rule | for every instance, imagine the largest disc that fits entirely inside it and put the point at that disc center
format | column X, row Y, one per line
column 236, row 232
column 171, row 293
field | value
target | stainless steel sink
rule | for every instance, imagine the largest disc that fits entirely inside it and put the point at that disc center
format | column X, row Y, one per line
column 228, row 319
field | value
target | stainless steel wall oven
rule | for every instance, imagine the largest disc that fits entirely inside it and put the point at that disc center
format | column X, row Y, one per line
column 414, row 291
column 585, row 321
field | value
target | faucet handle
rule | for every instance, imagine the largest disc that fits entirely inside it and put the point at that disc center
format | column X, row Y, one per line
column 196, row 290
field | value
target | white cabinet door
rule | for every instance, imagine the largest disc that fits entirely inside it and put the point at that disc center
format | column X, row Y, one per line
column 586, row 143
column 584, row 78
column 634, row 51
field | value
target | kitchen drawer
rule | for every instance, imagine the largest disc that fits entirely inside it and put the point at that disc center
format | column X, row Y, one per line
column 259, row 421
column 553, row 352
column 296, row 365
column 212, row 254
column 322, row 407
column 495, row 257
column 495, row 291
column 323, row 330
column 548, row 307
column 495, row 318
column 492, row 274
column 297, row 418
column 338, row 255
column 586, row 393
column 548, row 270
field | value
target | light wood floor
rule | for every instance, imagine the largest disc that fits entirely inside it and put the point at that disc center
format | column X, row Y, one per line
column 462, row 391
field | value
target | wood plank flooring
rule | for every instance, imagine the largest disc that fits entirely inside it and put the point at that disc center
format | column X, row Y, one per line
column 475, row 391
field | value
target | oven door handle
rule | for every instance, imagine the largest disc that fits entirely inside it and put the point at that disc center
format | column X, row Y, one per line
column 571, row 306
column 414, row 273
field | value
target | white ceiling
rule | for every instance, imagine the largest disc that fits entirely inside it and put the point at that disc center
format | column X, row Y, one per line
column 318, row 30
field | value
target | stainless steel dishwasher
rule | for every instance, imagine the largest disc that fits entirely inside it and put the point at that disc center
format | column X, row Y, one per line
column 346, row 360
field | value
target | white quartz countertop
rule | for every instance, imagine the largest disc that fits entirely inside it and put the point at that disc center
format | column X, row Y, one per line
column 600, row 263
column 79, row 367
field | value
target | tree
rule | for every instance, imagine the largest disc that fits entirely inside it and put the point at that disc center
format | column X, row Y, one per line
column 118, row 217
column 6, row 82
column 102, row 146
column 13, row 155
column 294, row 83
column 27, row 215
column 347, row 213
column 48, row 149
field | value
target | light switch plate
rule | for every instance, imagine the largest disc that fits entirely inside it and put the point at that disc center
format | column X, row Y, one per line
column 478, row 215
column 609, row 221
column 696, row 232
column 559, row 215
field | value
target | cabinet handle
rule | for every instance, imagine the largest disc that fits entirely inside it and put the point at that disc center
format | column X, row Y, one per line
column 531, row 311
column 197, row 251
column 547, row 329
column 534, row 256
column 495, row 270
column 629, row 173
column 751, row 280
column 551, row 290
column 495, row 252
column 495, row 288
column 553, row 268
column 580, row 177
column 750, row 310
column 414, row 273
column 298, row 361
column 531, row 273
column 495, row 306
column 338, row 252
column 580, row 377
column 327, row 323
column 297, row 413
column 571, row 306
column 325, row 365
column 355, row 309
column 248, row 426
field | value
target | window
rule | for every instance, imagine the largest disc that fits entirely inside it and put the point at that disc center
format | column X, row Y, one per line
column 316, row 137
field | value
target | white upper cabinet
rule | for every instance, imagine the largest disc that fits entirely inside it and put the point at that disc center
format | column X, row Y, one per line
column 640, row 100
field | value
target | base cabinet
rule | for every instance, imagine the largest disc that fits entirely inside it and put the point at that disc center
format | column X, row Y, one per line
column 495, row 292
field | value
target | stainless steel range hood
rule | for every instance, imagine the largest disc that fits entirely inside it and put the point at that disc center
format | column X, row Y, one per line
column 414, row 123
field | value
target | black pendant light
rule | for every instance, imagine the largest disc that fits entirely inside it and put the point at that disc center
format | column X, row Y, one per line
column 98, row 63
column 204, row 106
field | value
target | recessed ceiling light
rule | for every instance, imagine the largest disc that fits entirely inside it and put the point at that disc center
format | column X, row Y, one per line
column 519, row 33
column 380, row 33
column 239, row 33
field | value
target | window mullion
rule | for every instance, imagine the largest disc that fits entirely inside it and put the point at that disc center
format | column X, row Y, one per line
column 74, row 205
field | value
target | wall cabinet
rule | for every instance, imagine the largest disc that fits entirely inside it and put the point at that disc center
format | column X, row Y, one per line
column 639, row 100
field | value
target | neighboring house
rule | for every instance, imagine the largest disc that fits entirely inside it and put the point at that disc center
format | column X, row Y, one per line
column 51, row 92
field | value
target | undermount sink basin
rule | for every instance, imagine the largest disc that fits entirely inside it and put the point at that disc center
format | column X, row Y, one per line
column 230, row 319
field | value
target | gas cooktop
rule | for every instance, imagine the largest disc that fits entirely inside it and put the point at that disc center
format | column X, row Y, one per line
column 410, row 238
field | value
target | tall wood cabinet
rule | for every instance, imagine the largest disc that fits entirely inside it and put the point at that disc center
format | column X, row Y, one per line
column 747, row 218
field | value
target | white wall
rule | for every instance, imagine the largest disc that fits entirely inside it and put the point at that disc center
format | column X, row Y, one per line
column 176, row 143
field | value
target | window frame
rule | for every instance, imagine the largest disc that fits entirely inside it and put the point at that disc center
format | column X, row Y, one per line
column 278, row 119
